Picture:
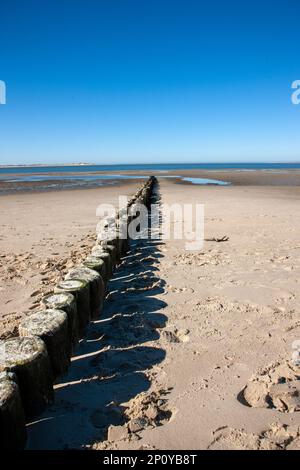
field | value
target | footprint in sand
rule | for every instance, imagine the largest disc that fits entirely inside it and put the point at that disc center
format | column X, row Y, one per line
column 276, row 386
column 147, row 410
column 284, row 296
column 143, row 283
column 179, row 290
column 112, row 414
column 175, row 336
column 277, row 437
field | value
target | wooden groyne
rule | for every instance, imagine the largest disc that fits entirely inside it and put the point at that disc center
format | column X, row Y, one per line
column 31, row 362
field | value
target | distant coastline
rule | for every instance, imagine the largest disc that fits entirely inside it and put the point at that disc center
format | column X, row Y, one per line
column 47, row 165
column 167, row 166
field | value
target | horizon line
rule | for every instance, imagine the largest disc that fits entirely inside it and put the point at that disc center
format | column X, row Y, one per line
column 83, row 164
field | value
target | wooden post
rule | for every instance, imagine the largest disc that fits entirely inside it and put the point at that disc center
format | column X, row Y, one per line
column 97, row 287
column 67, row 303
column 100, row 253
column 12, row 417
column 97, row 264
column 81, row 291
column 52, row 327
column 111, row 249
column 27, row 357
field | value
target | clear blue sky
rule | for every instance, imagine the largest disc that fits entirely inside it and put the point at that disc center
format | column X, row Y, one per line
column 149, row 81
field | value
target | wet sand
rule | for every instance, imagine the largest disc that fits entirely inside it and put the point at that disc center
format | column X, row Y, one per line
column 182, row 333
column 249, row 178
column 60, row 181
column 57, row 182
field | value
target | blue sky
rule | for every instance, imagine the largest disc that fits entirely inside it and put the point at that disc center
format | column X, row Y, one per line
column 135, row 81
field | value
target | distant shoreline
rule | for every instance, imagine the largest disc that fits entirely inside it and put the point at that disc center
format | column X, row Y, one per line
column 47, row 165
column 170, row 166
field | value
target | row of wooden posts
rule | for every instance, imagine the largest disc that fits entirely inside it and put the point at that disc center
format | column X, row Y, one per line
column 31, row 362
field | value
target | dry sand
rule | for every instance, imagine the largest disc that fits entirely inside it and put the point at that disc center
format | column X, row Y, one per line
column 182, row 333
column 42, row 235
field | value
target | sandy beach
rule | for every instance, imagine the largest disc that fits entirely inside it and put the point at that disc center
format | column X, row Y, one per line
column 42, row 235
column 182, row 333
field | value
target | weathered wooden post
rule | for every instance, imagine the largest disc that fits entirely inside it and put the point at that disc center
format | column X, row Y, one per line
column 27, row 357
column 96, row 285
column 12, row 417
column 81, row 291
column 52, row 327
column 67, row 303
